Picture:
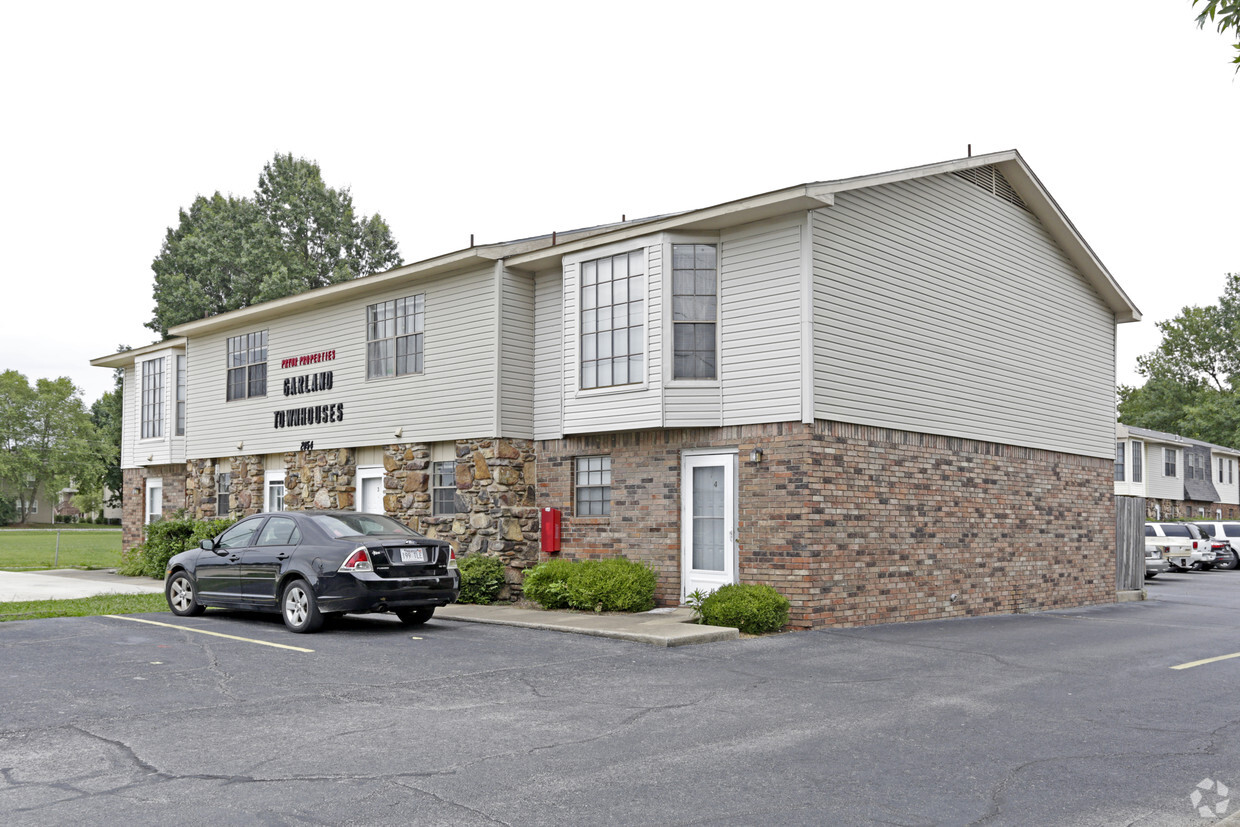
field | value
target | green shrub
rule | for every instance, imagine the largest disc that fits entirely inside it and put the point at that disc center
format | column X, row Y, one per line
column 481, row 579
column 611, row 585
column 751, row 608
column 166, row 538
column 8, row 511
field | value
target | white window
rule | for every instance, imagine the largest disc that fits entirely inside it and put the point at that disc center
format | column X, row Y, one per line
column 1119, row 462
column 1138, row 451
column 152, row 398
column 445, row 498
column 33, row 507
column 274, row 484
column 613, row 320
column 1168, row 462
column 695, row 311
column 247, row 365
column 180, row 415
column 394, row 331
column 154, row 499
column 593, row 486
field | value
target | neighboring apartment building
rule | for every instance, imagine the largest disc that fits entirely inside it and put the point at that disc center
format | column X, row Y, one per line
column 1178, row 477
column 854, row 391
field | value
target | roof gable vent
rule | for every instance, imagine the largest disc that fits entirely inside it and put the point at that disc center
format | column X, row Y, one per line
column 991, row 180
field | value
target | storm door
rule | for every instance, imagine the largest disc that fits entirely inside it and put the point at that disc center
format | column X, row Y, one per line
column 708, row 521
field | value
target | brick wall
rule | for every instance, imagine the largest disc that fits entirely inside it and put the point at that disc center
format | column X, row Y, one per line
column 862, row 525
column 133, row 498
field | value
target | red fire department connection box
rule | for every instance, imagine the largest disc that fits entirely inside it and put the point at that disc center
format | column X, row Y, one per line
column 549, row 538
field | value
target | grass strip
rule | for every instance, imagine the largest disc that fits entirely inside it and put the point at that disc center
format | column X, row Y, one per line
column 102, row 604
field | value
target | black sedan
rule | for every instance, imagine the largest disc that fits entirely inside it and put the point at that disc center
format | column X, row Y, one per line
column 310, row 565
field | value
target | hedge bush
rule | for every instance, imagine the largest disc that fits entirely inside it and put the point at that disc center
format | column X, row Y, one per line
column 611, row 585
column 753, row 609
column 8, row 511
column 481, row 578
column 166, row 538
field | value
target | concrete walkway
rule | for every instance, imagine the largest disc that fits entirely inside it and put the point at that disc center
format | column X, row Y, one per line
column 661, row 627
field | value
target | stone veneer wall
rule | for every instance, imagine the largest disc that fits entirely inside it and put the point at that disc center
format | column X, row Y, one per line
column 133, row 498
column 860, row 525
column 494, row 477
column 1187, row 510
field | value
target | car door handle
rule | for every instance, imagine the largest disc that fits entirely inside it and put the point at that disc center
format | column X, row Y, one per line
column 282, row 556
column 234, row 558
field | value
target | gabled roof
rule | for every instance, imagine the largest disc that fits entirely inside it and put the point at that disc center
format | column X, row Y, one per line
column 543, row 252
column 1126, row 431
column 124, row 358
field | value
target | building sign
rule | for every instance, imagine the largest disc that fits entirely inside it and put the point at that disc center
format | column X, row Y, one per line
column 310, row 383
column 308, row 359
column 312, row 415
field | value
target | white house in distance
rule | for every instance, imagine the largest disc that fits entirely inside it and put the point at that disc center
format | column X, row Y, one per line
column 1180, row 478
column 890, row 397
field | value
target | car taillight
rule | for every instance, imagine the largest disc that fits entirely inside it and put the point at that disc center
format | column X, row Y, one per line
column 359, row 560
column 451, row 558
column 1194, row 545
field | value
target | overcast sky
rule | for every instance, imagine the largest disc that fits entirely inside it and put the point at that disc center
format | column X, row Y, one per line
column 513, row 119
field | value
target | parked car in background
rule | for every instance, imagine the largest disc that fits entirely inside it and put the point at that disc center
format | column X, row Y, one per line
column 1226, row 533
column 1155, row 564
column 312, row 565
column 1183, row 545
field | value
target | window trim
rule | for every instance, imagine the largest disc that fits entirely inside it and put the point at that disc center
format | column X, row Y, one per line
column 626, row 251
column 415, row 297
column 609, row 485
column 152, row 483
column 270, row 477
column 156, row 403
column 1121, row 465
column 688, row 381
column 265, row 342
column 1138, row 461
column 457, row 504
column 226, row 495
column 1169, row 463
column 181, row 396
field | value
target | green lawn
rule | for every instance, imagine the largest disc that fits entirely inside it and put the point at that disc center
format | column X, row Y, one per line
column 104, row 604
column 24, row 550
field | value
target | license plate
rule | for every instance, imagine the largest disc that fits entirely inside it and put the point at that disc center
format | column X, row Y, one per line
column 413, row 555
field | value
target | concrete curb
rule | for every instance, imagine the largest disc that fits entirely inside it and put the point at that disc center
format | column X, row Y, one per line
column 660, row 628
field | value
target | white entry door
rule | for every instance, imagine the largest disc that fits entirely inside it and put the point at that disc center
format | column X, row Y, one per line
column 370, row 490
column 708, row 521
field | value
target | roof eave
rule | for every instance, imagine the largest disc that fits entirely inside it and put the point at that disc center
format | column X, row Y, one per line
column 125, row 358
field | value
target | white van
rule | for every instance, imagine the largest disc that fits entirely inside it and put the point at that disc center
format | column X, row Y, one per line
column 1224, row 531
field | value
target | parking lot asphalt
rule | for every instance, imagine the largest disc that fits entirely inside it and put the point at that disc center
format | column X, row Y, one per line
column 1076, row 717
column 661, row 627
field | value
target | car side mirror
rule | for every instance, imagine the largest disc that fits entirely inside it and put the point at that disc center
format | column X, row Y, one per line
column 206, row 545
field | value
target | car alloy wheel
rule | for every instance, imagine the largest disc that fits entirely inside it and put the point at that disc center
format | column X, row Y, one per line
column 182, row 596
column 301, row 609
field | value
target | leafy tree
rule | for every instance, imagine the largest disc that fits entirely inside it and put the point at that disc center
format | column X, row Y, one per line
column 1193, row 376
column 294, row 235
column 47, row 440
column 1225, row 16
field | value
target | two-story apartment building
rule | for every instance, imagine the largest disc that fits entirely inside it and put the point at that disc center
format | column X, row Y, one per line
column 1180, row 478
column 890, row 397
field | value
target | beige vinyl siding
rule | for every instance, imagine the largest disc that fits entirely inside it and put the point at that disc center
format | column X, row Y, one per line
column 940, row 308
column 166, row 448
column 760, row 321
column 1160, row 486
column 453, row 398
column 549, row 368
column 622, row 408
column 516, row 351
column 1228, row 492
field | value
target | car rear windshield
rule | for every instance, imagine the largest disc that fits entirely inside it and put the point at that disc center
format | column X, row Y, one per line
column 1176, row 530
column 1231, row 530
column 356, row 525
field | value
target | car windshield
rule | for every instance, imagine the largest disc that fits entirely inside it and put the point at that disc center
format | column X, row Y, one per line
column 354, row 525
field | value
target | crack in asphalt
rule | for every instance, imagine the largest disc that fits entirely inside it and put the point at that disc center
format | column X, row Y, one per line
column 1000, row 788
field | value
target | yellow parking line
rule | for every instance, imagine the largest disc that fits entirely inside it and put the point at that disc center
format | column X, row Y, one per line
column 205, row 632
column 1207, row 660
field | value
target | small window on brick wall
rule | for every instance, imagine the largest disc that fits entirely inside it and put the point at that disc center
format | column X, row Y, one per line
column 593, row 486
